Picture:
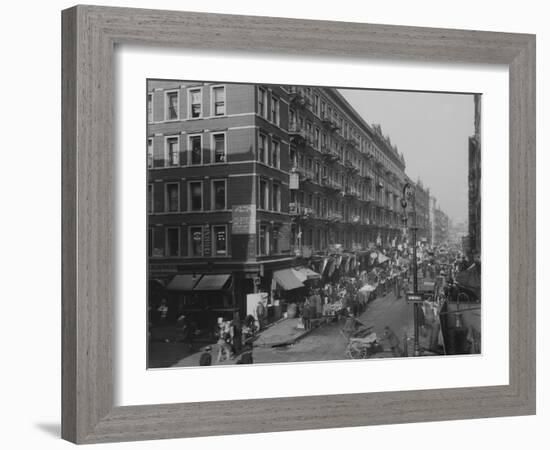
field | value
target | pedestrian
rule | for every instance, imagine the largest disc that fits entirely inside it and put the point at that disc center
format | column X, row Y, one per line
column 306, row 315
column 318, row 303
column 350, row 325
column 398, row 287
column 163, row 310
column 206, row 357
column 224, row 352
column 260, row 314
column 187, row 330
column 246, row 356
column 393, row 340
column 237, row 339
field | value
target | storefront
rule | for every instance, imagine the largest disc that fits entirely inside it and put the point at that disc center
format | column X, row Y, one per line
column 288, row 289
column 201, row 298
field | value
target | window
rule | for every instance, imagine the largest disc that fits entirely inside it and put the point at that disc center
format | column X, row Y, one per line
column 292, row 118
column 263, row 240
column 262, row 105
column 150, row 241
column 292, row 157
column 275, row 110
column 316, row 138
column 276, row 231
column 276, row 205
column 195, row 241
column 172, row 150
column 172, row 197
column 150, row 198
column 195, row 196
column 318, row 240
column 218, row 194
column 220, row 239
column 195, row 147
column 275, row 154
column 195, row 103
column 150, row 152
column 172, row 105
column 218, row 94
column 264, row 199
column 219, row 148
column 172, row 242
column 317, row 172
column 323, row 109
column 149, row 108
column 316, row 104
column 262, row 149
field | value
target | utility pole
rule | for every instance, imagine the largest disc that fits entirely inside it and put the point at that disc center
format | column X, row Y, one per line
column 409, row 194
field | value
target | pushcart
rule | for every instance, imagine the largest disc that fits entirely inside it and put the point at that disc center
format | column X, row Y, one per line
column 363, row 344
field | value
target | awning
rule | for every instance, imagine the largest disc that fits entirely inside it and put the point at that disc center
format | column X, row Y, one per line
column 382, row 258
column 325, row 264
column 304, row 273
column 212, row 282
column 367, row 288
column 183, row 282
column 470, row 279
column 287, row 279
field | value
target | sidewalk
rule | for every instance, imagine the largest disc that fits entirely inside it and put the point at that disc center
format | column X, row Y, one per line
column 285, row 332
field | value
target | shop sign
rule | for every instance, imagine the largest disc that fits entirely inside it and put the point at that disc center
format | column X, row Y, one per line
column 243, row 219
column 414, row 298
column 207, row 241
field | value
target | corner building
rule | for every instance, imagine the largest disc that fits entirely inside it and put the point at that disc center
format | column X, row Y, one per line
column 245, row 181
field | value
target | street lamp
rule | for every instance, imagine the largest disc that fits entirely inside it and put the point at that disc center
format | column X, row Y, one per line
column 409, row 195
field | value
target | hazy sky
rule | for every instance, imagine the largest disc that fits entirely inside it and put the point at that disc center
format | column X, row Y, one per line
column 431, row 130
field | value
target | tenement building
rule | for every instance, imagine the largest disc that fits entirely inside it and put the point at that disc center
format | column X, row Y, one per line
column 246, row 181
column 345, row 176
column 441, row 227
column 422, row 200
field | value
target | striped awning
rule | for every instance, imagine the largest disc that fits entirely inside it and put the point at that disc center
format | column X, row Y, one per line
column 212, row 282
column 304, row 273
column 183, row 282
column 287, row 279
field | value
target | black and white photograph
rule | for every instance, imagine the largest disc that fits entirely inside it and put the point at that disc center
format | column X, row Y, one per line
column 292, row 224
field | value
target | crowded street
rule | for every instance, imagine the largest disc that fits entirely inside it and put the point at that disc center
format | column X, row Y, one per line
column 369, row 315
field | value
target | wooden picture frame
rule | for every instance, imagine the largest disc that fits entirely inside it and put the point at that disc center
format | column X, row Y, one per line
column 90, row 34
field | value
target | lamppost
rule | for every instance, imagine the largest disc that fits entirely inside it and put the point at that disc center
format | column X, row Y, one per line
column 409, row 195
